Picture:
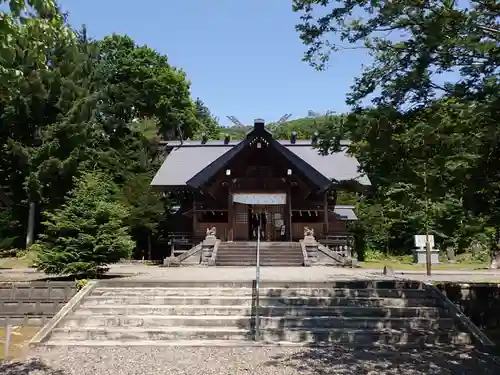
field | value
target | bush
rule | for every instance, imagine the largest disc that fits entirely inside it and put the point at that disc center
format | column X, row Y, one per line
column 87, row 233
column 374, row 255
column 8, row 226
column 81, row 283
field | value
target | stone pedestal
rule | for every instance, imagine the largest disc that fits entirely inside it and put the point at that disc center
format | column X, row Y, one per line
column 207, row 245
column 310, row 243
column 420, row 257
column 311, row 249
column 450, row 253
column 309, row 240
column 171, row 262
column 388, row 271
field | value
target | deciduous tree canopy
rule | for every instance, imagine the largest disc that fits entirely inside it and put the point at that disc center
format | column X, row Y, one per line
column 430, row 135
column 83, row 108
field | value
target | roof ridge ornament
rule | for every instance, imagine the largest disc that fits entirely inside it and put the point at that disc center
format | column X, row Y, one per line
column 259, row 124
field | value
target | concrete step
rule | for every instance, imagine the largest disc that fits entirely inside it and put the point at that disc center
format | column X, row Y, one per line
column 243, row 343
column 275, row 292
column 262, row 249
column 263, row 245
column 235, row 253
column 235, row 250
column 253, row 252
column 246, row 258
column 332, row 284
column 364, row 336
column 248, row 322
column 342, row 311
column 262, row 263
column 265, row 301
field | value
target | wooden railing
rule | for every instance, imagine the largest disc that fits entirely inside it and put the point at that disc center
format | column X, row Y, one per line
column 179, row 242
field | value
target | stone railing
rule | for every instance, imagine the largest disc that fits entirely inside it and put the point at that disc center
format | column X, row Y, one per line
column 342, row 244
column 213, row 256
column 305, row 254
column 203, row 253
column 317, row 252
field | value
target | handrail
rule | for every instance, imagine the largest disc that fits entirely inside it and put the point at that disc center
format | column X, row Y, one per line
column 457, row 314
column 257, row 287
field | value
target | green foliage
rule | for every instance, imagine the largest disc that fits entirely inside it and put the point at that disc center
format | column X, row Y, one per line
column 411, row 41
column 81, row 283
column 430, row 142
column 99, row 105
column 304, row 127
column 7, row 226
column 374, row 255
column 480, row 257
column 30, row 29
column 137, row 82
column 88, row 232
column 209, row 123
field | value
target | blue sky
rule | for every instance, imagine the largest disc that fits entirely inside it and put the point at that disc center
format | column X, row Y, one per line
column 243, row 57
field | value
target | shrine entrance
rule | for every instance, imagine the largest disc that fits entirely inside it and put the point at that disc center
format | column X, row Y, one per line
column 266, row 210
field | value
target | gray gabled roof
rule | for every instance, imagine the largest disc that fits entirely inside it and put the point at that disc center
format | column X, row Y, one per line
column 182, row 163
column 338, row 166
column 189, row 158
column 345, row 212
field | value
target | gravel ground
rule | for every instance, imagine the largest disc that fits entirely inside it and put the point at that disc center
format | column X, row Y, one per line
column 251, row 360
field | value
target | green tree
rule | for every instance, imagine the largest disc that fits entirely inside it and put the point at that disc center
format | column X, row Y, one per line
column 208, row 122
column 136, row 82
column 39, row 24
column 88, row 232
column 82, row 111
column 411, row 41
column 42, row 95
column 425, row 123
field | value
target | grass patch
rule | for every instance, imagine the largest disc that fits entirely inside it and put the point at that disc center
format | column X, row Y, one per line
column 403, row 266
column 19, row 339
column 13, row 263
column 465, row 262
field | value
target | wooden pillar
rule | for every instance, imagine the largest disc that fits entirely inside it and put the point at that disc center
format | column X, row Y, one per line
column 195, row 219
column 230, row 216
column 288, row 221
column 325, row 213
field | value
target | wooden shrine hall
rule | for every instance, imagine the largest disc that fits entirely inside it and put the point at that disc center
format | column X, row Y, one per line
column 285, row 185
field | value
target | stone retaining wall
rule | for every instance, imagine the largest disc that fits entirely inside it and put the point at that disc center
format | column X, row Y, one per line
column 33, row 303
column 478, row 301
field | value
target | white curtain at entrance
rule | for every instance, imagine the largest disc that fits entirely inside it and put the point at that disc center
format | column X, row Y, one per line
column 260, row 199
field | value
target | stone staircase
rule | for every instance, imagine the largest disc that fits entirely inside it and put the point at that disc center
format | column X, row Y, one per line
column 271, row 254
column 223, row 314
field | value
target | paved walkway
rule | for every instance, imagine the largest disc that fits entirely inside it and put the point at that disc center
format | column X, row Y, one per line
column 143, row 272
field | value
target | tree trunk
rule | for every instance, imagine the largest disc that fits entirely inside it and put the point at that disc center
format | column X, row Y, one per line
column 30, row 235
column 149, row 246
column 495, row 251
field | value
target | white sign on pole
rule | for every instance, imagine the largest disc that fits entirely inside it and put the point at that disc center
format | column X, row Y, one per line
column 420, row 241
